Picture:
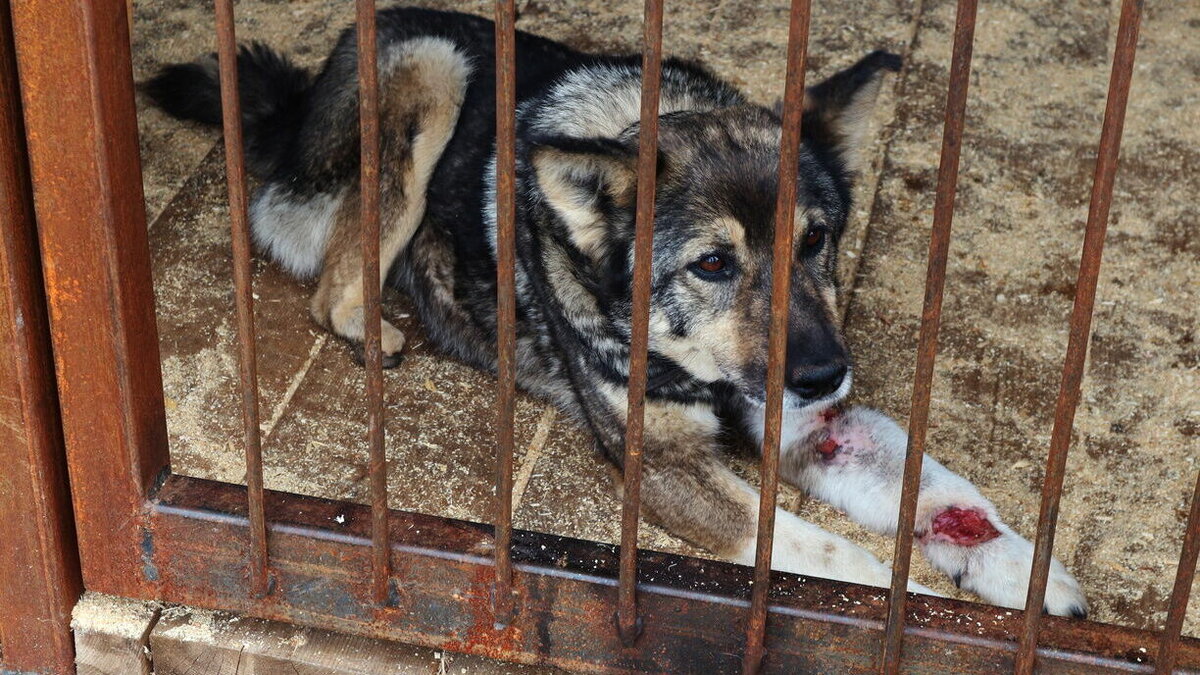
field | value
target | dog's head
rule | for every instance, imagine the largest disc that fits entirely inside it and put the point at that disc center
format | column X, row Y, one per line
column 714, row 225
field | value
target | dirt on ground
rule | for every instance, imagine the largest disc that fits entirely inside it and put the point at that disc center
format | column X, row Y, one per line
column 1036, row 100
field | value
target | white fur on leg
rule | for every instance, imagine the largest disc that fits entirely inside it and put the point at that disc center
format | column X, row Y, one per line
column 854, row 460
column 294, row 229
column 803, row 548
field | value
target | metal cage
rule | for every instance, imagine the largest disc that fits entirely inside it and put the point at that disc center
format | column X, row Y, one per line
column 144, row 532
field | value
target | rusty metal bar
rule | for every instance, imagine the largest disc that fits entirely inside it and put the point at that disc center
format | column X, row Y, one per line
column 931, row 315
column 368, row 122
column 235, row 176
column 506, row 300
column 1080, row 328
column 81, row 126
column 1168, row 646
column 785, row 216
column 36, row 523
column 628, row 622
column 817, row 625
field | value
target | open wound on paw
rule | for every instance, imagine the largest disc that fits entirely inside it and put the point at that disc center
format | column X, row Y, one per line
column 962, row 527
column 827, row 444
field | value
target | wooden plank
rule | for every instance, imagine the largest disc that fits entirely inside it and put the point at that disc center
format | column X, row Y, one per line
column 112, row 635
column 38, row 539
column 77, row 90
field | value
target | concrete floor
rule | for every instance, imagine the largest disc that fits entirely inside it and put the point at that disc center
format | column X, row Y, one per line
column 1037, row 95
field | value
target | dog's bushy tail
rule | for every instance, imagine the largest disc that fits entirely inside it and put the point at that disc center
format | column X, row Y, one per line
column 274, row 95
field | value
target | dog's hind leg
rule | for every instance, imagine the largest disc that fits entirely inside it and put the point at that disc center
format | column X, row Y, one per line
column 854, row 459
column 422, row 83
column 687, row 490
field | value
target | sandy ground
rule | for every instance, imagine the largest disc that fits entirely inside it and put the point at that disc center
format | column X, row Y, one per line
column 1036, row 99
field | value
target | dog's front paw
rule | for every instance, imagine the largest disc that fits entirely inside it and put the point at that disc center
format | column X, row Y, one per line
column 391, row 340
column 1064, row 597
column 390, row 359
column 998, row 569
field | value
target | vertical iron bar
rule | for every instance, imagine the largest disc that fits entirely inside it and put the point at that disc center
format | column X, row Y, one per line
column 628, row 621
column 1184, row 576
column 77, row 95
column 37, row 524
column 368, row 121
column 785, row 215
column 931, row 314
column 235, row 175
column 1080, row 328
column 506, row 301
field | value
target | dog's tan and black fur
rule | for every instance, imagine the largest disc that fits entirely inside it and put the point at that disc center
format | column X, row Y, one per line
column 576, row 188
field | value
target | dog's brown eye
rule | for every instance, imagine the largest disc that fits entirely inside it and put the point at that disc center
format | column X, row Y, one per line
column 814, row 238
column 712, row 263
column 711, row 267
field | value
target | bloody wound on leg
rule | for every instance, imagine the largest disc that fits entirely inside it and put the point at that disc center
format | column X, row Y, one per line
column 961, row 527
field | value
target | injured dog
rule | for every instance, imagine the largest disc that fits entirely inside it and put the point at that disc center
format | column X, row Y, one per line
column 577, row 135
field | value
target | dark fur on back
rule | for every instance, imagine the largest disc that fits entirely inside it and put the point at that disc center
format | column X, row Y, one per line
column 718, row 163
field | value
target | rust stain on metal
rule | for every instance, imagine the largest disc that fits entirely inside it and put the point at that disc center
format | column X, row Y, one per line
column 482, row 636
column 785, row 214
column 235, row 170
column 1080, row 326
column 628, row 623
column 506, row 303
column 931, row 315
column 1185, row 574
column 368, row 120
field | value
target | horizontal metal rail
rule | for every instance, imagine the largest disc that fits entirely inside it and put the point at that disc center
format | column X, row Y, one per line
column 198, row 531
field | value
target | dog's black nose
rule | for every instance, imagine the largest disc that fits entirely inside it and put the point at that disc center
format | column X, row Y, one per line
column 816, row 381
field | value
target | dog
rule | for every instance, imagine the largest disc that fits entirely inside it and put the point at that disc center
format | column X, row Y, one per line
column 576, row 185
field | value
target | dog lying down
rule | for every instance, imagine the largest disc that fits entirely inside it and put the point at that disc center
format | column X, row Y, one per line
column 577, row 138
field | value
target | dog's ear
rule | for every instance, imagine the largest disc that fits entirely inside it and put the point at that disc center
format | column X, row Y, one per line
column 837, row 112
column 588, row 182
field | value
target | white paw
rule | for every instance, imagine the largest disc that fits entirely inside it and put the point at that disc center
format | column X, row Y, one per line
column 998, row 572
